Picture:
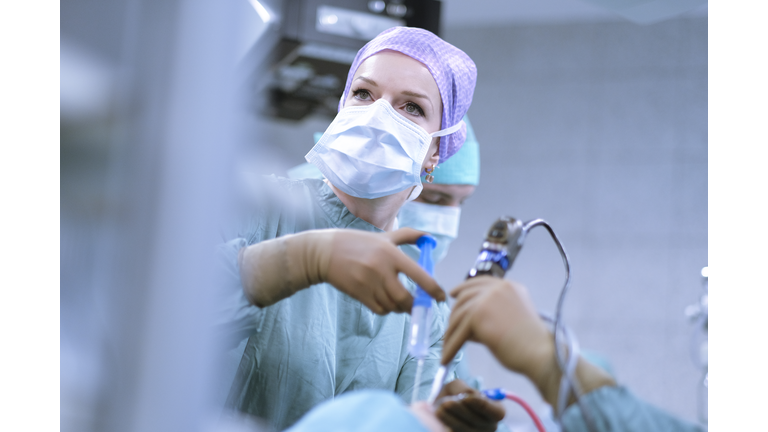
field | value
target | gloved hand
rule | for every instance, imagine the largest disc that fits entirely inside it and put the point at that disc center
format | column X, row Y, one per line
column 362, row 264
column 473, row 412
column 500, row 315
column 425, row 414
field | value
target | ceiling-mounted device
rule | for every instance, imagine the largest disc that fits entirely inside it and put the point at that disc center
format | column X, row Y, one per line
column 317, row 42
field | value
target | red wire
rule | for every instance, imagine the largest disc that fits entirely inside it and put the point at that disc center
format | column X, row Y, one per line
column 527, row 409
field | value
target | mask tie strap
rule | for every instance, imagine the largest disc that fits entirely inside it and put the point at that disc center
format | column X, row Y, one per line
column 448, row 131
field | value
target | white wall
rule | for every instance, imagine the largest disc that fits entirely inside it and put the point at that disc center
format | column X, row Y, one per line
column 601, row 129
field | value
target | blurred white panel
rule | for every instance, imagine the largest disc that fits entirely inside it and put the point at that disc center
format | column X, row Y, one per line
column 255, row 17
column 463, row 13
column 649, row 11
column 86, row 82
column 351, row 23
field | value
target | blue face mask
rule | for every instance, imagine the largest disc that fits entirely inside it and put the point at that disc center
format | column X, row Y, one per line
column 442, row 222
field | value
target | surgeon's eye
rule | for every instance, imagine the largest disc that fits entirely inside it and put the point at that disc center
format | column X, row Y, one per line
column 432, row 198
column 413, row 109
column 362, row 94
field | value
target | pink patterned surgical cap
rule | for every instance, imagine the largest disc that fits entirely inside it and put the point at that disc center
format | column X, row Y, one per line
column 454, row 72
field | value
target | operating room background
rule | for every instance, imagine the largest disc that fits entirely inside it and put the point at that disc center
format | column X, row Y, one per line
column 587, row 120
column 598, row 126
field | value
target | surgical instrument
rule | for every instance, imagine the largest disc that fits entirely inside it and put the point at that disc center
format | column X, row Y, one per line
column 421, row 313
column 502, row 244
column 498, row 394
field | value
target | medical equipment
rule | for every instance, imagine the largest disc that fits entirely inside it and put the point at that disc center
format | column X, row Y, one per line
column 421, row 314
column 698, row 313
column 502, row 244
column 302, row 60
column 498, row 394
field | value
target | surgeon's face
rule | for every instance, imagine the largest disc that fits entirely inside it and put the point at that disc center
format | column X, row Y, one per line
column 446, row 195
column 406, row 84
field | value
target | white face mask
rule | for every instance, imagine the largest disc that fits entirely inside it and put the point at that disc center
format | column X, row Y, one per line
column 372, row 151
column 442, row 222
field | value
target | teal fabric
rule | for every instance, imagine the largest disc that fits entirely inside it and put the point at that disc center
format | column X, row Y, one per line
column 463, row 168
column 598, row 360
column 616, row 409
column 463, row 373
column 361, row 411
column 318, row 343
column 304, row 171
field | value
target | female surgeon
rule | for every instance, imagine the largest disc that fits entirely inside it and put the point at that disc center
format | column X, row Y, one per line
column 320, row 271
column 437, row 211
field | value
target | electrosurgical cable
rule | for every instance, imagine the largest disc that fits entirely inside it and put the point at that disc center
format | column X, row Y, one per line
column 499, row 394
column 421, row 314
column 572, row 350
column 567, row 360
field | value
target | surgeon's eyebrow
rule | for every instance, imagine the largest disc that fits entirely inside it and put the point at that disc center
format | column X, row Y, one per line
column 368, row 80
column 406, row 92
column 414, row 94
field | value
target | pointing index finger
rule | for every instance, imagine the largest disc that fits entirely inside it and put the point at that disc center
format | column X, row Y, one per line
column 420, row 276
column 404, row 236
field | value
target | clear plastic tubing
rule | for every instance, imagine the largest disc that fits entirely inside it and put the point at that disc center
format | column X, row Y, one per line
column 421, row 314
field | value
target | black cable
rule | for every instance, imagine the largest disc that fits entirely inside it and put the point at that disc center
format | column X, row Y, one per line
column 564, row 358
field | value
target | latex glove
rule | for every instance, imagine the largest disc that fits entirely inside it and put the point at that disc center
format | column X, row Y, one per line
column 474, row 412
column 500, row 315
column 362, row 264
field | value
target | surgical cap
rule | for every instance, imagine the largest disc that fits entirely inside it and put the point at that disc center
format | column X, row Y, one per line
column 454, row 72
column 464, row 167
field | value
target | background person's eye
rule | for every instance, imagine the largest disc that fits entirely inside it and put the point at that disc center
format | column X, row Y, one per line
column 432, row 199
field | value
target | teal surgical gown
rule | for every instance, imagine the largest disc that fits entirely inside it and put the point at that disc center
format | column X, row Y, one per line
column 614, row 409
column 318, row 343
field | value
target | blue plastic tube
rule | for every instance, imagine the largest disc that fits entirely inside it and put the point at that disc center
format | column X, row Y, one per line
column 421, row 314
column 422, row 302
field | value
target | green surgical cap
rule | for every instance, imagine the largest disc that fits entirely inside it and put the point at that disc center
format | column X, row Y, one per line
column 463, row 168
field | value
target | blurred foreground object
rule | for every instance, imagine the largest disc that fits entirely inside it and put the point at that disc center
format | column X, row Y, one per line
column 147, row 134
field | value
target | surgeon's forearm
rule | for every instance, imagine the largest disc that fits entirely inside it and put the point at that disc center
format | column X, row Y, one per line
column 589, row 376
column 276, row 269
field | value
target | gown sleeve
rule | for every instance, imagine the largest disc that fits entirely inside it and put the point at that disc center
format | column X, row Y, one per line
column 235, row 317
column 360, row 411
column 616, row 409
